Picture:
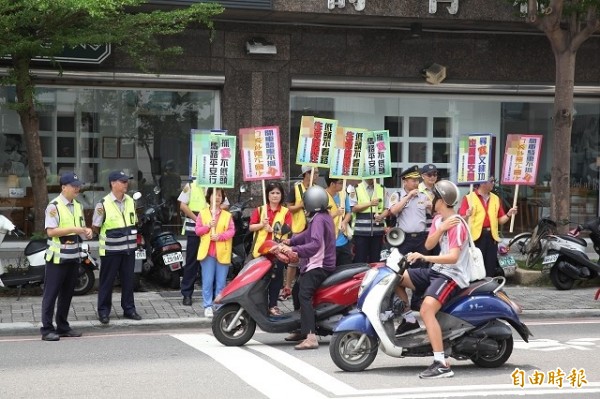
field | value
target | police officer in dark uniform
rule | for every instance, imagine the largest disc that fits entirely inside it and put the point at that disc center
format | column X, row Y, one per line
column 65, row 226
column 115, row 219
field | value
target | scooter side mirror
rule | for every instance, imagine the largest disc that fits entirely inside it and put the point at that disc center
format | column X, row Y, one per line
column 156, row 190
column 136, row 196
column 243, row 188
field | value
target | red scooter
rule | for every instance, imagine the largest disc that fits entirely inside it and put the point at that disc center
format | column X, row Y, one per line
column 244, row 299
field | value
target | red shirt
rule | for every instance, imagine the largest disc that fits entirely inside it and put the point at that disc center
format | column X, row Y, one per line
column 256, row 217
column 464, row 206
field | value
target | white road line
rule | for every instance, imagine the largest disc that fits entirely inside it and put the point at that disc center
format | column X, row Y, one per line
column 311, row 373
column 256, row 372
column 476, row 391
column 274, row 382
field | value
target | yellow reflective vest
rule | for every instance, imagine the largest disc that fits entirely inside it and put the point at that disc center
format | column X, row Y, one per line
column 66, row 248
column 223, row 248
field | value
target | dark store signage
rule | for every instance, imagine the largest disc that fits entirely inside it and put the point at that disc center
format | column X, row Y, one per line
column 82, row 54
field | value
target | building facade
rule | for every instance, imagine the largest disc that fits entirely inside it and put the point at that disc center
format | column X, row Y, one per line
column 272, row 61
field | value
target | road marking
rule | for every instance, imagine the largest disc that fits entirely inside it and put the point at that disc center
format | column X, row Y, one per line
column 256, row 372
column 271, row 381
column 547, row 345
column 311, row 373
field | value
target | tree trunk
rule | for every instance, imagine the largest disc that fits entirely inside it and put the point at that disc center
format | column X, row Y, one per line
column 563, row 122
column 30, row 123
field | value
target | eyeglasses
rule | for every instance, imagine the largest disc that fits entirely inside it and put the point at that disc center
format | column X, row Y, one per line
column 431, row 174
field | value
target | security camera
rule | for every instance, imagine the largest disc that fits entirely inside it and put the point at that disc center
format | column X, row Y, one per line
column 258, row 45
column 434, row 74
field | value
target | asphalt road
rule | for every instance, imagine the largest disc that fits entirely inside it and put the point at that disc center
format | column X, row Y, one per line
column 190, row 364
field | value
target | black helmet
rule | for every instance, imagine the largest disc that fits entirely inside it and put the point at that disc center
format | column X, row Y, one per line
column 315, row 199
column 446, row 191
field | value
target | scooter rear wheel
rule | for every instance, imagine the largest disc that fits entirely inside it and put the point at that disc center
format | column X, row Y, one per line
column 560, row 280
column 505, row 348
column 242, row 331
column 345, row 354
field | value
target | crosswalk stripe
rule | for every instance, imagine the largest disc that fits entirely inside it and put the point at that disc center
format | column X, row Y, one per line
column 308, row 371
column 256, row 372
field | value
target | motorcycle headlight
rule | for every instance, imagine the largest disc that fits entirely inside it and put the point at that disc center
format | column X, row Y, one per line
column 367, row 280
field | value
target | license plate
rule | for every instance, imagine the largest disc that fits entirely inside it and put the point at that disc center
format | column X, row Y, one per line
column 506, row 261
column 550, row 259
column 173, row 257
column 140, row 254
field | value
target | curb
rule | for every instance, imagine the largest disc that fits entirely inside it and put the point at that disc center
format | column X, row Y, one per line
column 94, row 326
column 86, row 327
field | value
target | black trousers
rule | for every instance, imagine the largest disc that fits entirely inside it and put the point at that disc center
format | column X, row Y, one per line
column 343, row 254
column 192, row 265
column 276, row 283
column 308, row 284
column 415, row 243
column 367, row 248
column 59, row 284
column 489, row 250
column 110, row 266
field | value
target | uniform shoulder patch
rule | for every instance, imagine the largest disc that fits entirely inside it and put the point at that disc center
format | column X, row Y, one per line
column 186, row 188
column 53, row 212
column 394, row 198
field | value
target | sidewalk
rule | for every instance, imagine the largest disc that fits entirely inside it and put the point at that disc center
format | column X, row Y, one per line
column 163, row 310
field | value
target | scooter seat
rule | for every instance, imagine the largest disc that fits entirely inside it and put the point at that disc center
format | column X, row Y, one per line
column 576, row 240
column 35, row 246
column 345, row 272
column 487, row 284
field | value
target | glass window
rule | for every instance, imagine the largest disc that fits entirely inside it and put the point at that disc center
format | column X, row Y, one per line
column 144, row 132
column 419, row 139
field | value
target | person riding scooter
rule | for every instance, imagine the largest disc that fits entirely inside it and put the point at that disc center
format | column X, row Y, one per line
column 316, row 247
column 443, row 280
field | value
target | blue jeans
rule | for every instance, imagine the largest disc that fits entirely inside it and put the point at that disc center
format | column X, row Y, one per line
column 213, row 274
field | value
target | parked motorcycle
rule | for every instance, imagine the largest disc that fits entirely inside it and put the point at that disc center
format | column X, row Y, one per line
column 165, row 259
column 31, row 270
column 565, row 257
column 475, row 324
column 242, row 240
column 244, row 299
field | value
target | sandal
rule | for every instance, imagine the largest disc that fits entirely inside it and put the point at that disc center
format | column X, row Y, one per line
column 295, row 337
column 275, row 311
column 285, row 293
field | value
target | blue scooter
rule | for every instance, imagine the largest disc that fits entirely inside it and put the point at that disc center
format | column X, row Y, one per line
column 475, row 324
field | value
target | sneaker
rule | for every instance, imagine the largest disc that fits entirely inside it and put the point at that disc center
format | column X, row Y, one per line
column 437, row 370
column 405, row 327
column 208, row 312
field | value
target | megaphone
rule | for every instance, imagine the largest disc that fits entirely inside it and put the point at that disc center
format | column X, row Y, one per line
column 395, row 237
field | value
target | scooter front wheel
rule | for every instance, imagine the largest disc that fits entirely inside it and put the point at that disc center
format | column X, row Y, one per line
column 348, row 354
column 242, row 330
column 85, row 281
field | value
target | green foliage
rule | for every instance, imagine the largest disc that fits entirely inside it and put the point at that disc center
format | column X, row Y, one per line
column 31, row 28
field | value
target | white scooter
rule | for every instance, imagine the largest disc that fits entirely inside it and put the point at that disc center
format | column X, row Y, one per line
column 31, row 270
